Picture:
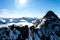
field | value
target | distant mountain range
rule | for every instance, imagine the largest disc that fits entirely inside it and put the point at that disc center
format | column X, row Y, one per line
column 16, row 20
column 47, row 28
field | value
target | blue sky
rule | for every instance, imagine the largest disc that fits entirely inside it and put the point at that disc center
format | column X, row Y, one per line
column 28, row 8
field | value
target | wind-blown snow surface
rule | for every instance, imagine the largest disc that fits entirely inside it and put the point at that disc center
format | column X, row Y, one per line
column 48, row 28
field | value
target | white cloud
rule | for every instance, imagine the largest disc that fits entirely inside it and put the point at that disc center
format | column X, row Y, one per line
column 16, row 14
column 8, row 14
column 4, row 11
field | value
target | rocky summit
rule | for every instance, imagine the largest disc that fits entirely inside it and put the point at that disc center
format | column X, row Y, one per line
column 47, row 28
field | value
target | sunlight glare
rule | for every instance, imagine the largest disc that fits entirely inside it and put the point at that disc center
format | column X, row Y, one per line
column 22, row 2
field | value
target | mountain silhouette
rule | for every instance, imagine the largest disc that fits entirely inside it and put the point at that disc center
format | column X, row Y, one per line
column 51, row 14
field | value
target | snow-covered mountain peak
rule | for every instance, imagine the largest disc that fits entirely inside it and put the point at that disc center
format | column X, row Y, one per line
column 50, row 15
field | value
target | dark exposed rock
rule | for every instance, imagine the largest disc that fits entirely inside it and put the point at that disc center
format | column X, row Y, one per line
column 50, row 14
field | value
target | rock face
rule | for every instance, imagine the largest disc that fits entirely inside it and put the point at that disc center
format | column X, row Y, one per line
column 48, row 28
column 50, row 14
